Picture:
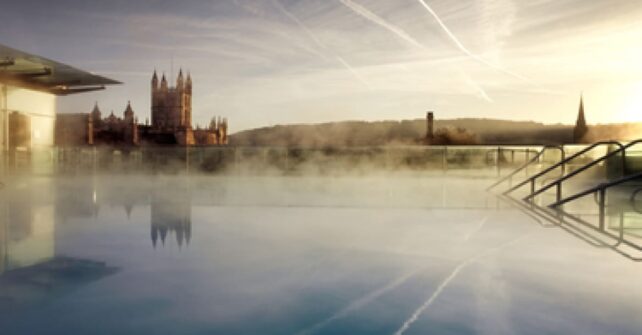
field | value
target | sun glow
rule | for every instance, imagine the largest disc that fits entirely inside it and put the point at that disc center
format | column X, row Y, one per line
column 631, row 110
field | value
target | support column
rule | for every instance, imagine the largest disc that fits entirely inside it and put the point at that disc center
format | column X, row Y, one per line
column 4, row 129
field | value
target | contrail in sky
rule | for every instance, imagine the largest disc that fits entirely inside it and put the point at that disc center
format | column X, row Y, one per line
column 479, row 89
column 301, row 25
column 353, row 71
column 378, row 20
column 463, row 48
column 372, row 17
column 413, row 318
column 318, row 42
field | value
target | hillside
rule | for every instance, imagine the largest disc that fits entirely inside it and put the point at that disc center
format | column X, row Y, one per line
column 409, row 132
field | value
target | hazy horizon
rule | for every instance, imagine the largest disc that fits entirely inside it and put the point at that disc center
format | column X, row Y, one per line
column 263, row 63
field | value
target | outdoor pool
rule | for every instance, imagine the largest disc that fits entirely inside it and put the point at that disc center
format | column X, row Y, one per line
column 380, row 254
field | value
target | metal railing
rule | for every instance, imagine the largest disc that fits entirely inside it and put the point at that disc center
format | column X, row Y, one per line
column 600, row 190
column 558, row 182
column 564, row 219
column 528, row 163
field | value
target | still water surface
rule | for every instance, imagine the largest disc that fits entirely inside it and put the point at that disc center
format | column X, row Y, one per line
column 297, row 255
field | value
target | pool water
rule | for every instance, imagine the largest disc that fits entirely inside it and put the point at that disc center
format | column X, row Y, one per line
column 297, row 255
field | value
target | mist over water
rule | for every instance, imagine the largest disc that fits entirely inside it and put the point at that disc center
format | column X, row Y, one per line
column 375, row 252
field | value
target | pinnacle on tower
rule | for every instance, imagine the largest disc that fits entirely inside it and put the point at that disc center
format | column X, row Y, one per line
column 96, row 110
column 129, row 112
column 188, row 83
column 154, row 81
column 179, row 80
column 163, row 82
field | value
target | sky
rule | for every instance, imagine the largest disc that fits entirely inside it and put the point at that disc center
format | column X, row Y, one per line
column 266, row 62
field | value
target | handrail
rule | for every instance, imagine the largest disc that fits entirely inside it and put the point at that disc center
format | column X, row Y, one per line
column 600, row 187
column 505, row 149
column 632, row 199
column 559, row 181
column 525, row 165
column 564, row 161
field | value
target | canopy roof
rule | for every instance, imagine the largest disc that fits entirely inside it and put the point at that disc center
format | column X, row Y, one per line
column 38, row 73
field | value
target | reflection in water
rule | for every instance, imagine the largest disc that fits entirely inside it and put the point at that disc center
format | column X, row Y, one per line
column 21, row 287
column 289, row 255
column 30, row 270
column 26, row 225
column 171, row 213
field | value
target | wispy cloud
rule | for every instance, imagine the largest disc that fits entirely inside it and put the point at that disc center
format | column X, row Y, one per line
column 363, row 11
column 318, row 42
column 465, row 50
column 329, row 60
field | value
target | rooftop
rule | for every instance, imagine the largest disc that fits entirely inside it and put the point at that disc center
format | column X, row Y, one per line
column 27, row 70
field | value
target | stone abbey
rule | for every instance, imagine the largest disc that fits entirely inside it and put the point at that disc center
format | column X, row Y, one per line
column 171, row 122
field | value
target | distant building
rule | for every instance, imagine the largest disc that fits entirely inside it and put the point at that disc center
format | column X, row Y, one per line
column 29, row 87
column 91, row 129
column 171, row 112
column 73, row 130
column 581, row 129
column 172, row 116
column 430, row 135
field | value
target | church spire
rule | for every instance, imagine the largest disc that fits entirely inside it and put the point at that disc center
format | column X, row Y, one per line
column 580, row 125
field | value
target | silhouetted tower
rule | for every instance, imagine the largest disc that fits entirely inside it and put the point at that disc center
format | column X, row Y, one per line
column 172, row 106
column 580, row 130
column 430, row 135
column 128, row 115
column 96, row 117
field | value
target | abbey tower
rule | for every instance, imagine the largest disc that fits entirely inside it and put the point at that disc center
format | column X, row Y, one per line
column 172, row 106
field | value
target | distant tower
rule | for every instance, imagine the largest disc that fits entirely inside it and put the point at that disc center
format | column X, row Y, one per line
column 96, row 117
column 172, row 106
column 580, row 130
column 430, row 135
column 128, row 115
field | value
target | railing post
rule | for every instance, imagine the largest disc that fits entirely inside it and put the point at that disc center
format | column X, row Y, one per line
column 499, row 161
column 237, row 166
column 624, row 163
column 558, row 192
column 532, row 186
column 287, row 152
column 602, row 196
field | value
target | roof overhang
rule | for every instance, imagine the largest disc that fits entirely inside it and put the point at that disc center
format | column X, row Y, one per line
column 22, row 69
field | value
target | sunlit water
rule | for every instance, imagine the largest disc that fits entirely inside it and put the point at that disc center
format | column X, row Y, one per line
column 297, row 255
